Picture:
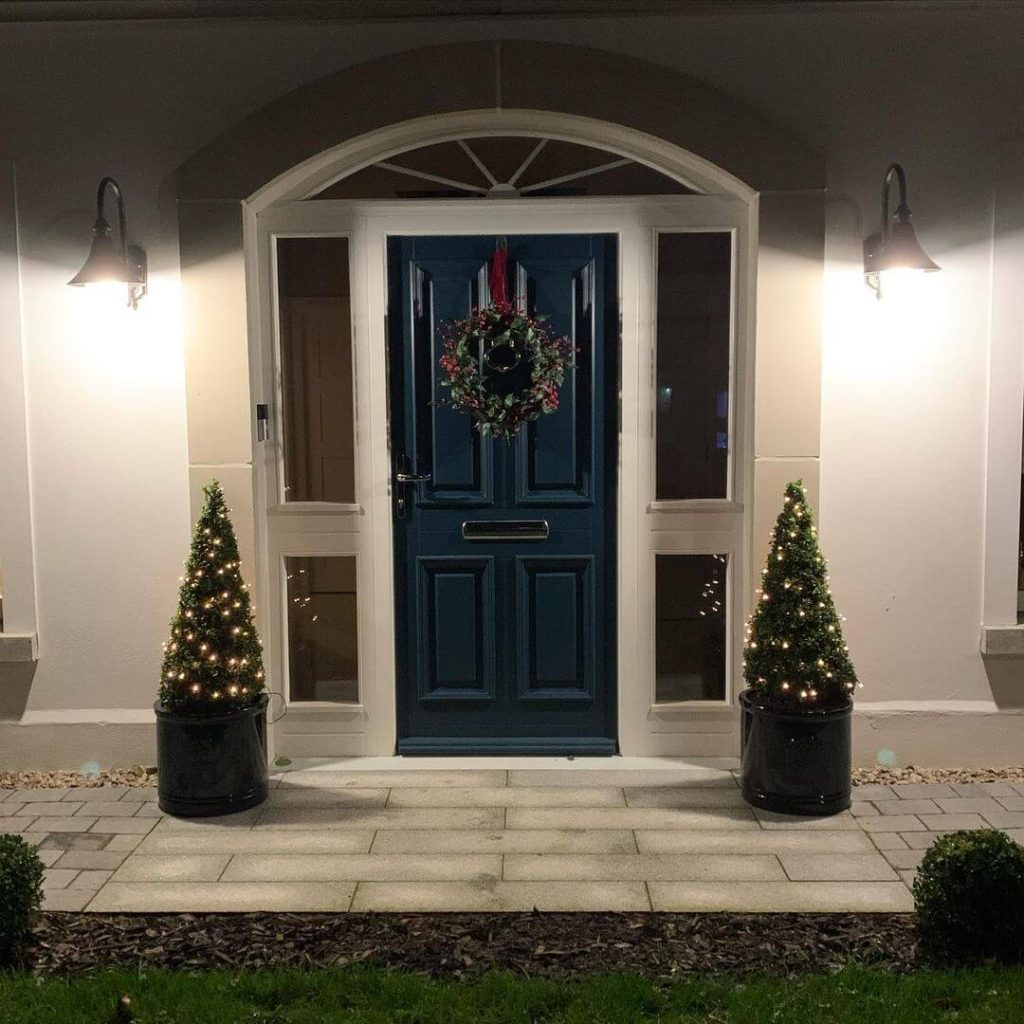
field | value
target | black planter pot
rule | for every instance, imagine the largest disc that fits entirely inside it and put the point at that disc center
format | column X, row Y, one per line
column 795, row 762
column 211, row 765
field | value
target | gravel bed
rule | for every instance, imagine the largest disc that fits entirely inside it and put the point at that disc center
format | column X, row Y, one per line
column 913, row 773
column 661, row 946
column 138, row 775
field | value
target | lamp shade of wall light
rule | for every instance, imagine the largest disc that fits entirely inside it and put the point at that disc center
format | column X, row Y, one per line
column 110, row 263
column 895, row 247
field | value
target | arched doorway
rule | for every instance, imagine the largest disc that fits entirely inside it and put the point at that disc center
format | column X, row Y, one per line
column 382, row 643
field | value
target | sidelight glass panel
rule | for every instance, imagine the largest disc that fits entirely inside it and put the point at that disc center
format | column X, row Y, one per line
column 316, row 369
column 693, row 336
column 323, row 652
column 690, row 627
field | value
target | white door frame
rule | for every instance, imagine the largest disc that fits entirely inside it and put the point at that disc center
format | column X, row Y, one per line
column 364, row 529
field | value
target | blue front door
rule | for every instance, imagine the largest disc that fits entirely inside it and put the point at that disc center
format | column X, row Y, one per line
column 505, row 556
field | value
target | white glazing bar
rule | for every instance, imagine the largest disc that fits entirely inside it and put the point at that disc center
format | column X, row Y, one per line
column 463, row 186
column 481, row 166
column 529, row 160
column 575, row 175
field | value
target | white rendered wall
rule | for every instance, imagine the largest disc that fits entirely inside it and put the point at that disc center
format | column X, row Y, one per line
column 904, row 389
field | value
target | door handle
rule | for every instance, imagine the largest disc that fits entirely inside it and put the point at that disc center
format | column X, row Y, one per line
column 412, row 478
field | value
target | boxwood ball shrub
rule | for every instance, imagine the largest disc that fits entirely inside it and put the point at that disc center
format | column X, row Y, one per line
column 969, row 894
column 21, row 892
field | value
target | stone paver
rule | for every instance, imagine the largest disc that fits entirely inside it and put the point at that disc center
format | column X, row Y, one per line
column 684, row 796
column 631, row 817
column 141, row 867
column 804, row 897
column 526, row 840
column 507, row 796
column 641, row 867
column 500, row 896
column 214, row 897
column 463, row 839
column 402, row 867
column 895, row 807
column 90, row 860
column 836, row 867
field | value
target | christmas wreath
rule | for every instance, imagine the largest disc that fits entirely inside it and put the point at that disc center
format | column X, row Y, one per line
column 500, row 365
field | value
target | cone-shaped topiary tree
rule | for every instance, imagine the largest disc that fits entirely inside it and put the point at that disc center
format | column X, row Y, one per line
column 795, row 654
column 213, row 661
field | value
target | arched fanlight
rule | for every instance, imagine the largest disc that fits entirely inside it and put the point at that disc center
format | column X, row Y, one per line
column 109, row 263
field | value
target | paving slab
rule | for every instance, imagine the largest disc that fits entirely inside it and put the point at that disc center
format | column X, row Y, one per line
column 778, row 897
column 373, row 867
column 123, row 842
column 100, row 794
column 360, row 819
column 641, row 867
column 631, row 817
column 216, row 823
column 250, row 841
column 40, row 796
column 622, row 777
column 906, row 859
column 58, row 839
column 508, row 796
column 910, row 807
column 72, row 901
column 91, row 881
column 684, row 796
column 410, row 897
column 953, row 822
column 874, row 791
column 713, row 842
column 893, row 823
column 889, row 840
column 140, row 867
column 921, row 840
column 222, row 897
column 55, row 878
column 77, row 823
column 296, row 796
column 527, row 840
column 389, row 779
column 771, row 820
column 1004, row 819
column 54, row 810
column 865, row 808
column 1009, row 803
column 922, row 790
column 837, row 867
column 982, row 789
column 122, row 826
column 970, row 805
column 90, row 860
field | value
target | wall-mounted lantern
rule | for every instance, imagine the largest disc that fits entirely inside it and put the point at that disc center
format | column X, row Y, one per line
column 109, row 263
column 895, row 247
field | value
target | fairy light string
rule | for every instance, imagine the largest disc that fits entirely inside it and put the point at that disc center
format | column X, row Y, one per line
column 795, row 655
column 213, row 660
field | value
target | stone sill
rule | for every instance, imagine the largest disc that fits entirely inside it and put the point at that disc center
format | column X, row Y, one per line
column 18, row 647
column 1003, row 641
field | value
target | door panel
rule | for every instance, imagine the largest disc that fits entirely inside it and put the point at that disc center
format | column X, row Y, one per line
column 504, row 644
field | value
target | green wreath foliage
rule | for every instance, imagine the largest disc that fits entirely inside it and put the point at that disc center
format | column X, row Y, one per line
column 471, row 387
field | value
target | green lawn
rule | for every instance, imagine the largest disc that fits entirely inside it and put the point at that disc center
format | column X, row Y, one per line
column 375, row 997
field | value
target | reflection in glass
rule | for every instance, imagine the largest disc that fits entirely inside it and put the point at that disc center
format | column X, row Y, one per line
column 323, row 654
column 690, row 627
column 316, row 369
column 693, row 331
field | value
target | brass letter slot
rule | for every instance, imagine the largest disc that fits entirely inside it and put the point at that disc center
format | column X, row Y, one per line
column 505, row 529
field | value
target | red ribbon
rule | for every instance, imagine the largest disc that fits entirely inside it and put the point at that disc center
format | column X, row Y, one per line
column 499, row 276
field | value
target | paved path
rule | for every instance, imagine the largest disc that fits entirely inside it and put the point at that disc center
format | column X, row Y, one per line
column 571, row 837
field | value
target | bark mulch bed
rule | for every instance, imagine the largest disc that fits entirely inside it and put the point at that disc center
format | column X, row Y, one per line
column 914, row 773
column 661, row 946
